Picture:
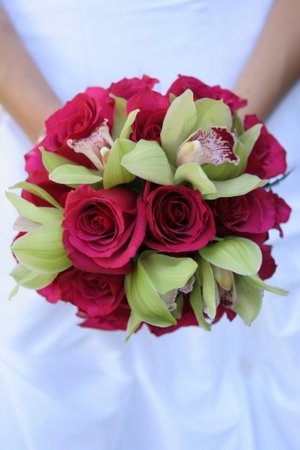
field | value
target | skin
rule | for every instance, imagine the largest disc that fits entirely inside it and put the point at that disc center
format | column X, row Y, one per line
column 274, row 65
column 24, row 92
column 271, row 70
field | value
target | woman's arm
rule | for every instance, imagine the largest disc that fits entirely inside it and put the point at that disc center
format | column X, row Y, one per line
column 24, row 92
column 274, row 65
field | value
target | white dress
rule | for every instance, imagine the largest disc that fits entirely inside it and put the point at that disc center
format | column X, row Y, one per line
column 63, row 387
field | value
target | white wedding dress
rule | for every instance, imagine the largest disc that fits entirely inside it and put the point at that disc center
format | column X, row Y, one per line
column 63, row 387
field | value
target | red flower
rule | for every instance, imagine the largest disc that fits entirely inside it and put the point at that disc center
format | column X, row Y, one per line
column 148, row 123
column 116, row 320
column 282, row 211
column 252, row 213
column 178, row 220
column 202, row 90
column 267, row 158
column 103, row 229
column 127, row 87
column 76, row 120
column 268, row 266
column 94, row 294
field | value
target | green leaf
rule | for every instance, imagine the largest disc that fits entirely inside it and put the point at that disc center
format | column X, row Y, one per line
column 51, row 160
column 114, row 172
column 31, row 279
column 244, row 146
column 38, row 214
column 249, row 299
column 237, row 124
column 194, row 174
column 235, row 187
column 148, row 161
column 74, row 174
column 212, row 113
column 242, row 149
column 209, row 288
column 41, row 250
column 254, row 280
column 127, row 130
column 133, row 323
column 38, row 191
column 178, row 124
column 145, row 301
column 197, row 303
column 119, row 116
column 234, row 253
column 153, row 276
column 166, row 272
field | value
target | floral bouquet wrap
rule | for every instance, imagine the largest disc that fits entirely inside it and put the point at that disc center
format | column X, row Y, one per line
column 143, row 208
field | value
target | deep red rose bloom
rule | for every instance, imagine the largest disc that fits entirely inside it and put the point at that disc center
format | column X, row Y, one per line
column 252, row 213
column 202, row 90
column 282, row 211
column 76, row 120
column 127, row 87
column 148, row 123
column 116, row 320
column 103, row 229
column 178, row 220
column 267, row 158
column 268, row 265
column 94, row 294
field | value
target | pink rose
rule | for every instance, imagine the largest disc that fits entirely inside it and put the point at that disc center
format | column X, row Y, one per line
column 116, row 320
column 94, row 294
column 103, row 229
column 252, row 213
column 267, row 158
column 178, row 219
column 127, row 87
column 202, row 90
column 148, row 123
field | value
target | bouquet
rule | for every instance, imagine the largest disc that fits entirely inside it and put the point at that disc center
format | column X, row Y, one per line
column 144, row 208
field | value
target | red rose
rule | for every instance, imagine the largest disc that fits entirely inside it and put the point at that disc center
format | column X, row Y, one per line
column 127, row 87
column 202, row 90
column 103, row 229
column 178, row 220
column 116, row 320
column 282, row 211
column 76, row 120
column 94, row 294
column 267, row 158
column 148, row 123
column 252, row 213
column 268, row 265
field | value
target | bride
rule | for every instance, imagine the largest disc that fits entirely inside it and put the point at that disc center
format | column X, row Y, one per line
column 64, row 387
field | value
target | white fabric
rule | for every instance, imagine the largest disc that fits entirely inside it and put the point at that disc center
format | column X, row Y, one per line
column 62, row 387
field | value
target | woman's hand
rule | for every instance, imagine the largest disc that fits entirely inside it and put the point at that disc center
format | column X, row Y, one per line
column 24, row 92
column 274, row 65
